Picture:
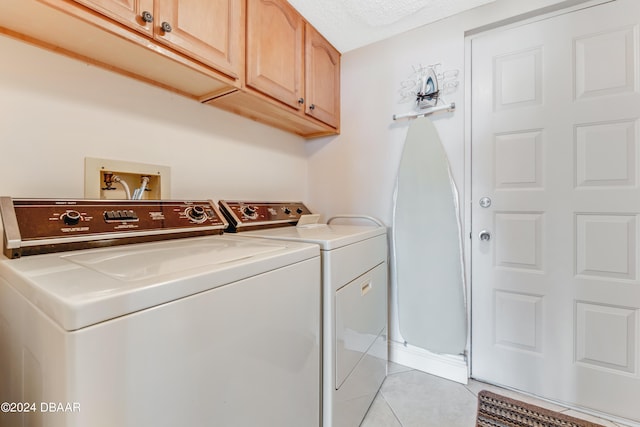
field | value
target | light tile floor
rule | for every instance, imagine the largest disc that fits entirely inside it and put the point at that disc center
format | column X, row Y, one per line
column 410, row 398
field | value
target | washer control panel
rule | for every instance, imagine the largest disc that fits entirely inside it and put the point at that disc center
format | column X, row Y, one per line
column 56, row 225
column 248, row 215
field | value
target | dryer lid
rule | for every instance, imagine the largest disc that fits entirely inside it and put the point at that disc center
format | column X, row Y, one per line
column 328, row 236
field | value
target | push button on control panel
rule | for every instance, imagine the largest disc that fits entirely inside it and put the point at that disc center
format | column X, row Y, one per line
column 120, row 215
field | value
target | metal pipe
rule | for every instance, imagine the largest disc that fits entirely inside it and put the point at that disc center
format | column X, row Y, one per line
column 116, row 178
column 139, row 192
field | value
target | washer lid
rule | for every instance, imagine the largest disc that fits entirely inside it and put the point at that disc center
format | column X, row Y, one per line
column 328, row 236
column 142, row 263
column 78, row 289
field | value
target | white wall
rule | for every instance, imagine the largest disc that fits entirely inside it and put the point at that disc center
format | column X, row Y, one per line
column 355, row 172
column 55, row 111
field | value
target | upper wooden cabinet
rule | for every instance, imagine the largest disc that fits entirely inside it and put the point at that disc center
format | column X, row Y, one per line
column 210, row 31
column 137, row 14
column 293, row 70
column 322, row 77
column 275, row 42
column 256, row 58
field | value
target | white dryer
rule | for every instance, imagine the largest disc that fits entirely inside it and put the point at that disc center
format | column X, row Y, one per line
column 213, row 330
column 354, row 296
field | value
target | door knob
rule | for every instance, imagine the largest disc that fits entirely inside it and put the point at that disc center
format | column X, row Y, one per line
column 485, row 235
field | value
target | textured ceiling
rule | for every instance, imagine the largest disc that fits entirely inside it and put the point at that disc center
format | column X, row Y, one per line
column 349, row 24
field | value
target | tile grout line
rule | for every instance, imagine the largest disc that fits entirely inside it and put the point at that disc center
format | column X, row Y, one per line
column 390, row 408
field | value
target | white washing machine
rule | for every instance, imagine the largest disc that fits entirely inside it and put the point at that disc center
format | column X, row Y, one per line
column 208, row 330
column 354, row 313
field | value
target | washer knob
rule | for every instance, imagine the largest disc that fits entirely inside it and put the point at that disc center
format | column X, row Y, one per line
column 71, row 217
column 287, row 211
column 197, row 213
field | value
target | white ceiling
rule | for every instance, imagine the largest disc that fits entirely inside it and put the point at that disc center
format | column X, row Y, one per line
column 349, row 24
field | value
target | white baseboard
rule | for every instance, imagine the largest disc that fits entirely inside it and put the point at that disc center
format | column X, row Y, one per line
column 451, row 367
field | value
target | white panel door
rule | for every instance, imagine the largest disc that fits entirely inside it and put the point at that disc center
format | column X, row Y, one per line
column 555, row 132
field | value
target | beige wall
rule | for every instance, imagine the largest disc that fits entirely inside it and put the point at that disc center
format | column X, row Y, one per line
column 55, row 111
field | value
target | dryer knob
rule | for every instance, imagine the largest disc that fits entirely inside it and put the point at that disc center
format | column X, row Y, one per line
column 250, row 212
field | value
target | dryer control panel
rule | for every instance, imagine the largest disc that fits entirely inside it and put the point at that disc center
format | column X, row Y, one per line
column 247, row 215
column 34, row 226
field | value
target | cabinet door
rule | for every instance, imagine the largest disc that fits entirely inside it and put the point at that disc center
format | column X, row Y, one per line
column 322, row 77
column 127, row 12
column 275, row 37
column 209, row 31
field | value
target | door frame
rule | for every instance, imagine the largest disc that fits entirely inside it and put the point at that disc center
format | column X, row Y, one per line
column 466, row 204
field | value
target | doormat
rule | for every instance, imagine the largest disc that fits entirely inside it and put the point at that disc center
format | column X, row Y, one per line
column 499, row 411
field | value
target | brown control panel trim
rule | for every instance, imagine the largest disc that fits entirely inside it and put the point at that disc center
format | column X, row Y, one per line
column 251, row 215
column 56, row 225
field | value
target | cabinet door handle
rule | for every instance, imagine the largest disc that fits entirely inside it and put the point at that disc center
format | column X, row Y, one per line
column 147, row 17
column 312, row 107
column 166, row 27
column 300, row 101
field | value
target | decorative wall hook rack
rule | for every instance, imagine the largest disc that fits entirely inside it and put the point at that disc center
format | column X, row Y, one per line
column 427, row 111
column 426, row 86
